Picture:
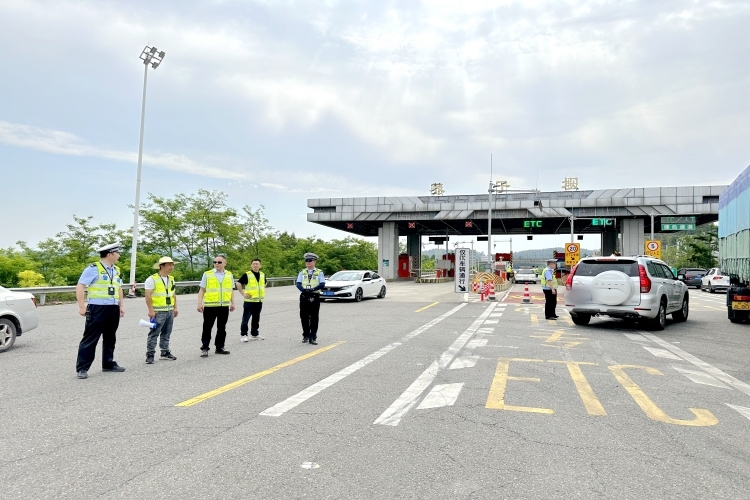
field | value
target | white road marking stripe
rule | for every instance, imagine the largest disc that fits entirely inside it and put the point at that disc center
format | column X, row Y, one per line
column 661, row 353
column 700, row 377
column 392, row 416
column 490, row 322
column 635, row 336
column 464, row 362
column 486, row 330
column 473, row 344
column 712, row 370
column 745, row 412
column 441, row 395
column 302, row 396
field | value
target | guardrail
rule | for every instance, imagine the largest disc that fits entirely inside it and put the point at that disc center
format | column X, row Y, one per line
column 42, row 291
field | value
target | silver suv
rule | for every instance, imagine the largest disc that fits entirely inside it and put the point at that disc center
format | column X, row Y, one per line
column 634, row 288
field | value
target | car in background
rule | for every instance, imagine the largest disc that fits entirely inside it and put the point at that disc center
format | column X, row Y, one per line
column 632, row 288
column 525, row 275
column 18, row 315
column 353, row 285
column 691, row 276
column 715, row 279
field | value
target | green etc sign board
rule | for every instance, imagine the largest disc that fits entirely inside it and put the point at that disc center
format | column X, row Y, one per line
column 532, row 223
column 678, row 223
column 602, row 222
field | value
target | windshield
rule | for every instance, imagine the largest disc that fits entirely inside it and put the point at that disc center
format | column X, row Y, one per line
column 592, row 268
column 346, row 276
column 694, row 274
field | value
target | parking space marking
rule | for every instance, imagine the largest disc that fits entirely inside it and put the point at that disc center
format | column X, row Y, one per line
column 256, row 376
column 302, row 396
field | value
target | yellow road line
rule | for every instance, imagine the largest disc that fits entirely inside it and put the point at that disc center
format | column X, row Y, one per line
column 427, row 307
column 256, row 376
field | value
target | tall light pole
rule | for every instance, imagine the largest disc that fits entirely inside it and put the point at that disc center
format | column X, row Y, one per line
column 150, row 57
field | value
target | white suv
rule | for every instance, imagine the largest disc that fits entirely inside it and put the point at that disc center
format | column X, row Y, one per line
column 635, row 288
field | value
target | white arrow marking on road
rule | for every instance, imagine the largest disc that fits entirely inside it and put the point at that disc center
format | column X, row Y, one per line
column 700, row 377
column 304, row 395
column 399, row 408
column 745, row 412
column 441, row 395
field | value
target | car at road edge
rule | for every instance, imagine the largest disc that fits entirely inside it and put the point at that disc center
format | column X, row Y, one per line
column 18, row 315
column 354, row 285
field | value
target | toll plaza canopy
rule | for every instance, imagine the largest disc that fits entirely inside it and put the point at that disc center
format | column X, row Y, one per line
column 611, row 212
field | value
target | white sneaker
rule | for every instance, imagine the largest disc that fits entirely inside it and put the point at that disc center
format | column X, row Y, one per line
column 257, row 337
column 243, row 338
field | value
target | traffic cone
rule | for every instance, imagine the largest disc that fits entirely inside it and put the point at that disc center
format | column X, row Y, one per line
column 526, row 296
column 492, row 292
column 482, row 287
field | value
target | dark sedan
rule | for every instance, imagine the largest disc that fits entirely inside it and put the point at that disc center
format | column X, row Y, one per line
column 691, row 276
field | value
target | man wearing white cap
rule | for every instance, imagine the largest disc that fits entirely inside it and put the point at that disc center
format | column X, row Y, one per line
column 549, row 287
column 309, row 281
column 162, row 308
column 102, row 283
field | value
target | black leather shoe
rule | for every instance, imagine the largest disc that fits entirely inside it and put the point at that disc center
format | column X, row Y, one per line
column 114, row 368
column 83, row 374
column 313, row 342
column 222, row 351
column 304, row 340
column 552, row 318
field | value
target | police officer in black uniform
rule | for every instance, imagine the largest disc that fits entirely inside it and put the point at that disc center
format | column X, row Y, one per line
column 310, row 281
column 102, row 283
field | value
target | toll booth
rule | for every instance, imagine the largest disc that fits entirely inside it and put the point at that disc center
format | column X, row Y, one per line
column 404, row 265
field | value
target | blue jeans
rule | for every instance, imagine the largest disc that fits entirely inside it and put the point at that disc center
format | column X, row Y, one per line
column 164, row 321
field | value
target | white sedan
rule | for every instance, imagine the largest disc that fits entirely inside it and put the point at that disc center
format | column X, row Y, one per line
column 354, row 285
column 714, row 280
column 17, row 315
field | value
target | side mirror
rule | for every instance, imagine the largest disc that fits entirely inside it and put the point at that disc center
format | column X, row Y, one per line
column 680, row 277
column 366, row 279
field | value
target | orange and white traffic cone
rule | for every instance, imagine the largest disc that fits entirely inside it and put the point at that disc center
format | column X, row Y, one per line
column 526, row 295
column 492, row 292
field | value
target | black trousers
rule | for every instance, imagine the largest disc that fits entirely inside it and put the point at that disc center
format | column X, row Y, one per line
column 550, row 303
column 100, row 321
column 251, row 310
column 220, row 315
column 309, row 313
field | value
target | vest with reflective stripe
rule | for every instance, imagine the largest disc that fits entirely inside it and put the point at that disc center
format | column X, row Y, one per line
column 255, row 291
column 307, row 282
column 160, row 293
column 100, row 288
column 218, row 293
column 544, row 279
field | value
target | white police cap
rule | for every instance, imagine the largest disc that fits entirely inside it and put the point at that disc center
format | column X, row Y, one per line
column 310, row 255
column 112, row 247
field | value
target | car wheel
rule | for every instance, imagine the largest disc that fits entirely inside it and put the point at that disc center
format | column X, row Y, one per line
column 381, row 295
column 7, row 334
column 358, row 295
column 711, row 288
column 660, row 321
column 581, row 319
column 682, row 314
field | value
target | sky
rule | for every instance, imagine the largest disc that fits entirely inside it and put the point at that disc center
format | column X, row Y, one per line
column 275, row 102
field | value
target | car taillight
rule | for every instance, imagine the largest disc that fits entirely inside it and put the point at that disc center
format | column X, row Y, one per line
column 645, row 280
column 718, row 277
column 569, row 281
column 745, row 298
column 33, row 299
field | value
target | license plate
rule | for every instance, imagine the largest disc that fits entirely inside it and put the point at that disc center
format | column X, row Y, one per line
column 327, row 293
column 741, row 306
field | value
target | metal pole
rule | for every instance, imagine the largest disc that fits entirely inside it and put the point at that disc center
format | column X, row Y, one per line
column 571, row 229
column 489, row 229
column 652, row 225
column 134, row 247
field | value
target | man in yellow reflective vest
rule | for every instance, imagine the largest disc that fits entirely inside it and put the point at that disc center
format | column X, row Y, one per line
column 162, row 309
column 216, row 301
column 102, row 283
column 310, row 281
column 252, row 286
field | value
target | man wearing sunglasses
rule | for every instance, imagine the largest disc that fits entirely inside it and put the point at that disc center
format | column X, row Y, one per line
column 216, row 301
column 309, row 281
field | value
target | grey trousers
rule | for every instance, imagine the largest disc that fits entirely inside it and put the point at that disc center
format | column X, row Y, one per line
column 164, row 321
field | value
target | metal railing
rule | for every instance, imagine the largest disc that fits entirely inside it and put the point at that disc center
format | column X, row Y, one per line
column 42, row 291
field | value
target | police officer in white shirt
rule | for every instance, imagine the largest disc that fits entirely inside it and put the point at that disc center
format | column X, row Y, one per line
column 310, row 281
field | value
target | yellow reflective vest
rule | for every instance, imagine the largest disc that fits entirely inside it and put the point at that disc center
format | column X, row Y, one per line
column 546, row 282
column 100, row 288
column 160, row 293
column 255, row 291
column 218, row 294
column 308, row 282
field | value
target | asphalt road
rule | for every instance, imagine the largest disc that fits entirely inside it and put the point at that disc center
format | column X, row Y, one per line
column 418, row 395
